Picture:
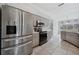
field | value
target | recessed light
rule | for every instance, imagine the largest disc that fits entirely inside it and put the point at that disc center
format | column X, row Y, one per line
column 61, row 4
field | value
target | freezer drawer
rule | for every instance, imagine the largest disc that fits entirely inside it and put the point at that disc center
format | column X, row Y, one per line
column 8, row 51
column 24, row 39
column 8, row 43
column 15, row 41
column 25, row 49
column 27, row 38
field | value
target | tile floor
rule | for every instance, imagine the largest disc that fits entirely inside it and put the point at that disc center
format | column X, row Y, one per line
column 56, row 47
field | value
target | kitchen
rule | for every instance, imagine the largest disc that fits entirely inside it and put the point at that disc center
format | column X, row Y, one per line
column 25, row 29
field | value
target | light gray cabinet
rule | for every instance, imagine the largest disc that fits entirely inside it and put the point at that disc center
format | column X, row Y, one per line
column 70, row 37
column 69, row 31
column 63, row 35
column 35, row 39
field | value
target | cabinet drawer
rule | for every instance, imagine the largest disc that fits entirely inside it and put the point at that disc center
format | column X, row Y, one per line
column 24, row 49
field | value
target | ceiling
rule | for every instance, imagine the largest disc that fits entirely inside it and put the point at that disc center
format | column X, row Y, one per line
column 53, row 10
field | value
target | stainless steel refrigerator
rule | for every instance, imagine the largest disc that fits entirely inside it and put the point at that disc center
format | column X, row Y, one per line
column 16, row 31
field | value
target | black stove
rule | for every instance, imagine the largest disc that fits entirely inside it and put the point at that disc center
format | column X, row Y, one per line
column 42, row 37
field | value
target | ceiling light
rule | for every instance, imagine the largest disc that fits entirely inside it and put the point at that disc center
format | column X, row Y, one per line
column 61, row 4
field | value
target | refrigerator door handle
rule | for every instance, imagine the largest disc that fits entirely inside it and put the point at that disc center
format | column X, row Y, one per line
column 24, row 44
column 9, row 48
column 27, row 36
column 20, row 22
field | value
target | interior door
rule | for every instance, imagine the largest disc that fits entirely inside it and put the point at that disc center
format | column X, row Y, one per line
column 27, row 23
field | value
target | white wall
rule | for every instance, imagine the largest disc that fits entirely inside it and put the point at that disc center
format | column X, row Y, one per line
column 1, row 4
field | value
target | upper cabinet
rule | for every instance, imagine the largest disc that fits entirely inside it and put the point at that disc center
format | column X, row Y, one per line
column 70, row 25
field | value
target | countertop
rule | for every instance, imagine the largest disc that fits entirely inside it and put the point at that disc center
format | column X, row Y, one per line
column 71, row 31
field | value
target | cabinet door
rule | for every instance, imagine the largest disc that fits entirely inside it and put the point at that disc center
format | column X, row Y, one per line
column 76, row 27
column 35, row 39
column 27, row 23
column 73, row 38
column 63, row 35
column 24, row 49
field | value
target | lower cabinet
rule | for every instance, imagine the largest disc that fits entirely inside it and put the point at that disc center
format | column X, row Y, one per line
column 35, row 39
column 63, row 35
column 71, row 37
